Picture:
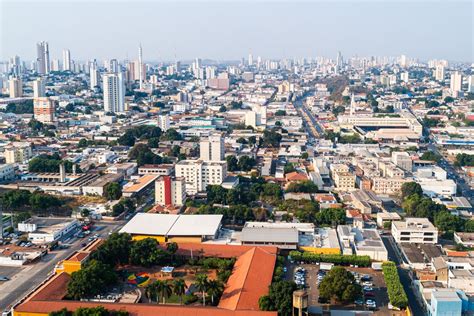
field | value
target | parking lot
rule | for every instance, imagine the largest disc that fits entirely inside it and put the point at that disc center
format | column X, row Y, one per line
column 8, row 272
column 376, row 289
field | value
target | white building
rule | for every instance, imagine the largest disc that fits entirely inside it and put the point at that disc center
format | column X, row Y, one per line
column 7, row 172
column 66, row 60
column 439, row 73
column 15, row 87
column 114, row 92
column 455, row 83
column 199, row 174
column 39, row 88
column 414, row 230
column 212, row 149
column 362, row 242
column 170, row 191
column 43, row 64
column 94, row 75
column 164, row 122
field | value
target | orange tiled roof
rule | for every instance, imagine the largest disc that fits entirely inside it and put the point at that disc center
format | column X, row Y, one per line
column 457, row 253
column 216, row 250
column 252, row 274
column 296, row 176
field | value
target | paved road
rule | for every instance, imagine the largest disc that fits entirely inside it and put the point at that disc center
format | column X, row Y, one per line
column 394, row 255
column 32, row 275
column 314, row 128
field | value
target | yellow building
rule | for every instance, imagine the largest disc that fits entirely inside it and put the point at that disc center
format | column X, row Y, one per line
column 76, row 260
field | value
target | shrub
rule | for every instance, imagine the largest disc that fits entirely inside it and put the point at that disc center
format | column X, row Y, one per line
column 395, row 290
column 308, row 257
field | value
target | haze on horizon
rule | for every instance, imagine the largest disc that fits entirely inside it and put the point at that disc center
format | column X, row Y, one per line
column 230, row 30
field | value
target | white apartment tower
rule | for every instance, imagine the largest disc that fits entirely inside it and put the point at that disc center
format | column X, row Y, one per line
column 164, row 122
column 114, row 92
column 15, row 87
column 66, row 60
column 94, row 75
column 42, row 61
column 170, row 191
column 456, row 83
column 212, row 149
column 140, row 66
column 470, row 84
column 39, row 88
column 439, row 73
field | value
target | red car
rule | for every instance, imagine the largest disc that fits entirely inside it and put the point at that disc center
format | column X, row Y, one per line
column 369, row 294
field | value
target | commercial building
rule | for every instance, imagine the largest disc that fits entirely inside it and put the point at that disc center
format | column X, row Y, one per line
column 173, row 228
column 18, row 152
column 162, row 170
column 362, row 242
column 44, row 110
column 170, row 191
column 44, row 230
column 445, row 302
column 114, row 92
column 199, row 174
column 414, row 230
column 212, row 149
column 139, row 186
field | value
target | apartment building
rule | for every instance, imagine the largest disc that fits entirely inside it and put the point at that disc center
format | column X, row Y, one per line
column 198, row 174
column 44, row 110
column 344, row 181
column 170, row 191
column 415, row 230
column 388, row 185
column 18, row 152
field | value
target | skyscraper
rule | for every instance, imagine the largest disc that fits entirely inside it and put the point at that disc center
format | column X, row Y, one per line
column 114, row 92
column 94, row 75
column 140, row 67
column 39, row 88
column 212, row 149
column 113, row 66
column 43, row 65
column 250, row 60
column 470, row 84
column 66, row 60
column 456, row 83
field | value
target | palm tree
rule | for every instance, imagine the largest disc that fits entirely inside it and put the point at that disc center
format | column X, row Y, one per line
column 164, row 290
column 214, row 288
column 179, row 288
column 201, row 285
column 150, row 292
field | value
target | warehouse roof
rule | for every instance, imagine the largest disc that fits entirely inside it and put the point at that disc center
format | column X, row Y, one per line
column 172, row 225
column 265, row 234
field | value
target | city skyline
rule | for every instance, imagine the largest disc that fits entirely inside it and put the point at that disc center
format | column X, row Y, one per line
column 232, row 30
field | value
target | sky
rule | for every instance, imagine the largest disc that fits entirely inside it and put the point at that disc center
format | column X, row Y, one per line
column 231, row 29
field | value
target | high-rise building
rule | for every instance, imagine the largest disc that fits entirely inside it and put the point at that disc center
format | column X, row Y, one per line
column 43, row 65
column 15, row 66
column 455, row 83
column 18, row 152
column 15, row 87
column 94, row 75
column 113, row 66
column 470, row 84
column 439, row 73
column 140, row 67
column 164, row 122
column 114, row 92
column 55, row 65
column 66, row 60
column 403, row 61
column 39, row 88
column 213, row 148
column 404, row 76
column 170, row 191
column 250, row 60
column 44, row 110
column 199, row 174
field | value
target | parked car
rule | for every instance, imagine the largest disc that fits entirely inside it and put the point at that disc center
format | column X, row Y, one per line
column 359, row 302
column 4, row 278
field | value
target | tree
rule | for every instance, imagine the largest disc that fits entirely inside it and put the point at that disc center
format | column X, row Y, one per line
column 252, row 140
column 232, row 163
column 179, row 288
column 464, row 160
column 83, row 143
column 304, row 155
column 331, row 217
column 447, row 222
column 341, row 285
column 410, row 188
column 201, row 285
column 214, row 289
column 307, row 186
column 151, row 293
column 113, row 191
column 279, row 298
column 94, row 278
column 429, row 155
column 271, row 138
column 115, row 249
column 280, row 113
column 246, row 163
column 163, row 289
column 469, row 226
column 145, row 252
column 222, row 109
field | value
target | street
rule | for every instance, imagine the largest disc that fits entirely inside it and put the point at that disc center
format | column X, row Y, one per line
column 394, row 255
column 30, row 276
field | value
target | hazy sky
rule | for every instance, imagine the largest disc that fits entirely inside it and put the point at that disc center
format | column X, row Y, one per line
column 229, row 29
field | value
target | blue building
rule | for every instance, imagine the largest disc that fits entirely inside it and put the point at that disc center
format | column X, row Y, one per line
column 445, row 303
